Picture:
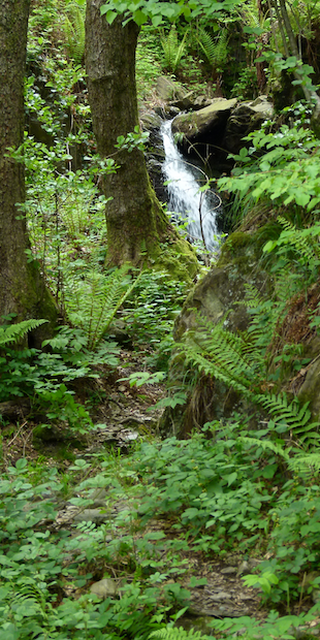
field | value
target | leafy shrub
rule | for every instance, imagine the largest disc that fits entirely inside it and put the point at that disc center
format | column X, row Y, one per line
column 281, row 166
column 216, row 486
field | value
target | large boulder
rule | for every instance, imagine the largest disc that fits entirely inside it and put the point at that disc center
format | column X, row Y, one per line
column 217, row 130
column 221, row 291
column 203, row 128
column 246, row 117
column 168, row 90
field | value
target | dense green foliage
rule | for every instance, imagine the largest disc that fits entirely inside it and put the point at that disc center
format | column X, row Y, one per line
column 247, row 484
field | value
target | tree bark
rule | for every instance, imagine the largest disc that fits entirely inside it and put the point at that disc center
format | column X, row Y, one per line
column 22, row 291
column 136, row 223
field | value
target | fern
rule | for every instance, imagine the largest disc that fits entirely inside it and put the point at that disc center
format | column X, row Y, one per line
column 239, row 362
column 215, row 51
column 299, row 239
column 93, row 302
column 223, row 355
column 27, row 599
column 172, row 48
column 177, row 633
column 266, row 445
column 74, row 30
column 293, row 416
column 15, row 332
column 307, row 464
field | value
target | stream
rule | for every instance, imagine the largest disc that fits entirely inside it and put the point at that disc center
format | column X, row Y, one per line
column 196, row 209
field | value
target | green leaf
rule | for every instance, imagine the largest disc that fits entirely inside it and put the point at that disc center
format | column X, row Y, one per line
column 302, row 198
column 197, row 582
column 231, row 478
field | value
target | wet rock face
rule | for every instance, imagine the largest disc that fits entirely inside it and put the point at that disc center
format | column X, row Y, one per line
column 245, row 118
column 222, row 289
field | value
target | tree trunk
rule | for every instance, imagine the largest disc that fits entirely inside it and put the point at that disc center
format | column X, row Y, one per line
column 22, row 291
column 136, row 223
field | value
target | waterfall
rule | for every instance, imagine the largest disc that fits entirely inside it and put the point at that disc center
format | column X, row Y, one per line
column 185, row 199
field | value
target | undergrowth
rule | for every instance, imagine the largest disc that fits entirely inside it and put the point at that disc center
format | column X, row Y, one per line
column 232, row 486
column 217, row 494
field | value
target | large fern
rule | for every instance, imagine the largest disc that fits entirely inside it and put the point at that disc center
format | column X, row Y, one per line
column 239, row 362
column 301, row 240
column 224, row 355
column 173, row 49
column 93, row 301
column 74, row 30
column 214, row 50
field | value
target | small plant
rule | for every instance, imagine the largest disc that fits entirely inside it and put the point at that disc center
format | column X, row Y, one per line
column 144, row 377
column 177, row 633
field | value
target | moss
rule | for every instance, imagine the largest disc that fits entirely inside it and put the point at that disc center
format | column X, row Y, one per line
column 235, row 246
column 178, row 259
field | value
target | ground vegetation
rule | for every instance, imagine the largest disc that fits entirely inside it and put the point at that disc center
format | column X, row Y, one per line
column 109, row 531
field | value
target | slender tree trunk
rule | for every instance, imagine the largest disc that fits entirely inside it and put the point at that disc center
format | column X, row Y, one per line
column 136, row 223
column 21, row 289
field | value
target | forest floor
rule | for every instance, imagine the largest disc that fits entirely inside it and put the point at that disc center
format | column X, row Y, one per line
column 127, row 415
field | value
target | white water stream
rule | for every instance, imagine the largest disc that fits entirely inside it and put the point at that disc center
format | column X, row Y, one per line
column 185, row 200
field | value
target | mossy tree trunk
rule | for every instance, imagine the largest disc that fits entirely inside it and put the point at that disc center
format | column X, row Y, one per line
column 136, row 223
column 21, row 289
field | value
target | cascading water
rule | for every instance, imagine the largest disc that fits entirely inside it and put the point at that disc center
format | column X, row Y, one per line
column 185, row 199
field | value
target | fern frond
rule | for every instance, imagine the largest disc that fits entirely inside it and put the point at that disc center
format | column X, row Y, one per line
column 74, row 29
column 295, row 417
column 252, row 296
column 93, row 302
column 15, row 332
column 214, row 50
column 175, row 633
column 220, row 354
column 299, row 239
column 173, row 49
column 307, row 463
column 230, row 347
column 27, row 596
column 267, row 445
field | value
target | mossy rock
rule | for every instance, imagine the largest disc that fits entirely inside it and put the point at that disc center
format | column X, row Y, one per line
column 220, row 293
column 222, row 289
column 178, row 259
